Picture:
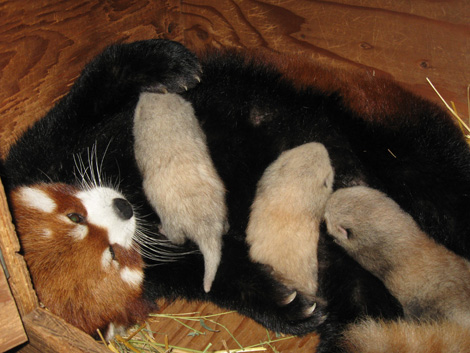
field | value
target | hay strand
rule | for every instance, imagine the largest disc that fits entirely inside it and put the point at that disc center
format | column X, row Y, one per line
column 453, row 111
column 127, row 344
column 142, row 339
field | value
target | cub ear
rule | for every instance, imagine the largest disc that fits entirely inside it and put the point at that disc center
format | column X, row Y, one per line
column 338, row 232
column 342, row 232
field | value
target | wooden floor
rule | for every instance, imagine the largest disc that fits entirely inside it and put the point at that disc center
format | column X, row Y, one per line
column 227, row 330
column 45, row 43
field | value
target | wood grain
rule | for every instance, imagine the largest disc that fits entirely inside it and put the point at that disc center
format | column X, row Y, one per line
column 230, row 329
column 12, row 333
column 48, row 334
column 44, row 45
column 19, row 279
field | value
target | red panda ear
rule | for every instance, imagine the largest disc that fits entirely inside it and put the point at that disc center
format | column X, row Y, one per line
column 33, row 197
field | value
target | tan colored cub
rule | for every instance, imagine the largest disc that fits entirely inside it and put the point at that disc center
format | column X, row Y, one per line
column 179, row 178
column 283, row 228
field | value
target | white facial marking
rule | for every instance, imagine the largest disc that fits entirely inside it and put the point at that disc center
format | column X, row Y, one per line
column 132, row 276
column 79, row 232
column 106, row 259
column 100, row 209
column 46, row 232
column 37, row 199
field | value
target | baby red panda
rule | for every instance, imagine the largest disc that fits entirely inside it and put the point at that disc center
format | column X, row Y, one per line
column 179, row 179
column 284, row 225
column 431, row 282
column 80, row 249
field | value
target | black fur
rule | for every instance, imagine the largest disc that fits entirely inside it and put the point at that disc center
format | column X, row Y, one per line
column 250, row 114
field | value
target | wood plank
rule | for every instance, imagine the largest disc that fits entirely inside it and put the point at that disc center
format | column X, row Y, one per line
column 407, row 41
column 12, row 333
column 49, row 334
column 19, row 279
column 230, row 330
column 44, row 45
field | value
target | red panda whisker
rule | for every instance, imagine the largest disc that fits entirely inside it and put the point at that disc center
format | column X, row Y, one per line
column 82, row 171
column 46, row 175
column 90, row 173
column 93, row 163
column 157, row 249
column 146, row 239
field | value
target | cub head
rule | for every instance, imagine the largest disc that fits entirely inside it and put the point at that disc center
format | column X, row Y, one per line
column 80, row 249
column 362, row 219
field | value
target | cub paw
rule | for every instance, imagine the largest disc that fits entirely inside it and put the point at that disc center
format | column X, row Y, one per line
column 156, row 65
column 179, row 178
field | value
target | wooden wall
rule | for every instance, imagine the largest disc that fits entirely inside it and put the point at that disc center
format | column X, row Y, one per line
column 44, row 43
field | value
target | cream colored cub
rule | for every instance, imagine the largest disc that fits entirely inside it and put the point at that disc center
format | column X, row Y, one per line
column 283, row 228
column 179, row 178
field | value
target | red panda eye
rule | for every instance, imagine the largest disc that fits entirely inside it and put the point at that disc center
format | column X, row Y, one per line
column 76, row 218
column 113, row 254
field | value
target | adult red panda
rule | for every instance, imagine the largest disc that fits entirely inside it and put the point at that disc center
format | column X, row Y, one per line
column 250, row 113
column 80, row 249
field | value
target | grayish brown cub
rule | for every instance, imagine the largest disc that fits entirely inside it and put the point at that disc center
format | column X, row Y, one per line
column 430, row 281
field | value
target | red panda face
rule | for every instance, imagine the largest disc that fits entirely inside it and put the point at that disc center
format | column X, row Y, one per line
column 80, row 250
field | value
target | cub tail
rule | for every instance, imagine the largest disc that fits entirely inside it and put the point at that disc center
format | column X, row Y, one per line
column 179, row 178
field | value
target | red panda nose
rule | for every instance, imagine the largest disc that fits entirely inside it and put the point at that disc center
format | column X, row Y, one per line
column 123, row 208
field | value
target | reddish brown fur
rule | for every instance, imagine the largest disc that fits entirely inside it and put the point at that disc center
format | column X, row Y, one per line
column 369, row 94
column 67, row 273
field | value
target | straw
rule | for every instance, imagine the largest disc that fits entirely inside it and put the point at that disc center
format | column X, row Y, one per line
column 141, row 339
